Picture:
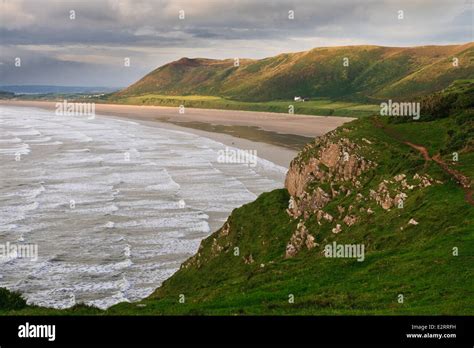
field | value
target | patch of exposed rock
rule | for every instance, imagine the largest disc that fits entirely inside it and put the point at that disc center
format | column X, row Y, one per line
column 331, row 168
column 248, row 259
column 298, row 240
column 329, row 162
column 393, row 192
column 337, row 229
column 350, row 220
column 219, row 244
column 323, row 170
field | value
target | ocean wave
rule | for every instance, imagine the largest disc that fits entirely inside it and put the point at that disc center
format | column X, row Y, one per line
column 133, row 222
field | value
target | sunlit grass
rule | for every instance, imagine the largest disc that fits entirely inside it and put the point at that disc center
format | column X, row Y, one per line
column 319, row 107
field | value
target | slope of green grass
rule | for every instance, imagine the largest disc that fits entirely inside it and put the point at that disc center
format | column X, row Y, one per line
column 433, row 76
column 318, row 107
column 371, row 72
column 454, row 108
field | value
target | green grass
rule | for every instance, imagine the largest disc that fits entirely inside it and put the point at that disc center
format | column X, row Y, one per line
column 319, row 107
column 373, row 72
column 434, row 138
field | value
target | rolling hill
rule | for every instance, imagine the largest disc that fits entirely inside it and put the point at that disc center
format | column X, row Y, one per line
column 373, row 73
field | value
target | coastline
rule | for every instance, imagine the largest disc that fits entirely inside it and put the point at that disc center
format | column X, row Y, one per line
column 279, row 155
column 146, row 192
column 275, row 137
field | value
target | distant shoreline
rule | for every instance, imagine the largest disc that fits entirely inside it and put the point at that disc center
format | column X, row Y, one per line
column 277, row 137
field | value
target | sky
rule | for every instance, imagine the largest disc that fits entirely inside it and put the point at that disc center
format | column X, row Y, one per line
column 90, row 42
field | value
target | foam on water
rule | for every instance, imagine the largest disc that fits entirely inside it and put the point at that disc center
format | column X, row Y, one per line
column 114, row 206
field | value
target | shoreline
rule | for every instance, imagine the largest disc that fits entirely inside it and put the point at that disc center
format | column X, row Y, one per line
column 281, row 156
column 275, row 137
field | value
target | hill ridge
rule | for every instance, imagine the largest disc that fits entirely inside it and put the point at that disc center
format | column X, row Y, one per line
column 370, row 72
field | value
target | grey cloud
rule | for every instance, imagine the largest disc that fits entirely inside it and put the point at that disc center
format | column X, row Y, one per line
column 114, row 20
column 257, row 28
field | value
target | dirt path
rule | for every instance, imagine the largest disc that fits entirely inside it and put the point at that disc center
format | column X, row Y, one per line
column 420, row 149
column 462, row 179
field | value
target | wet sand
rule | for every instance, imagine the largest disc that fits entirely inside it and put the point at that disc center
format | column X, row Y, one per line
column 303, row 125
column 276, row 137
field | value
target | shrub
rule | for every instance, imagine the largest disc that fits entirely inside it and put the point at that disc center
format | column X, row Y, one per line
column 11, row 300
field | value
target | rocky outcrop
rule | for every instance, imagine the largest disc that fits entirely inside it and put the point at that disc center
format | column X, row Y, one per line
column 327, row 171
column 301, row 238
column 328, row 162
column 333, row 167
column 323, row 170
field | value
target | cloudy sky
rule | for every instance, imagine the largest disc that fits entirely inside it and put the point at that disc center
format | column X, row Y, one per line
column 88, row 47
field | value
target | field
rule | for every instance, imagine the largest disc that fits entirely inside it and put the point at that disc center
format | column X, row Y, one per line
column 319, row 107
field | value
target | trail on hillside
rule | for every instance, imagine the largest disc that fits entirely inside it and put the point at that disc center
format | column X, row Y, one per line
column 462, row 179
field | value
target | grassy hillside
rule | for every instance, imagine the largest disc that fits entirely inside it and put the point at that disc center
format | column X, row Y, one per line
column 373, row 72
column 414, row 260
column 428, row 261
column 319, row 106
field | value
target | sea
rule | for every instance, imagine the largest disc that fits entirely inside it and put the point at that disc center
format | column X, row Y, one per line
column 112, row 206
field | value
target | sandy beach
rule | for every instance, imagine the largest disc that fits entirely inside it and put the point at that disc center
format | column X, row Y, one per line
column 276, row 137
